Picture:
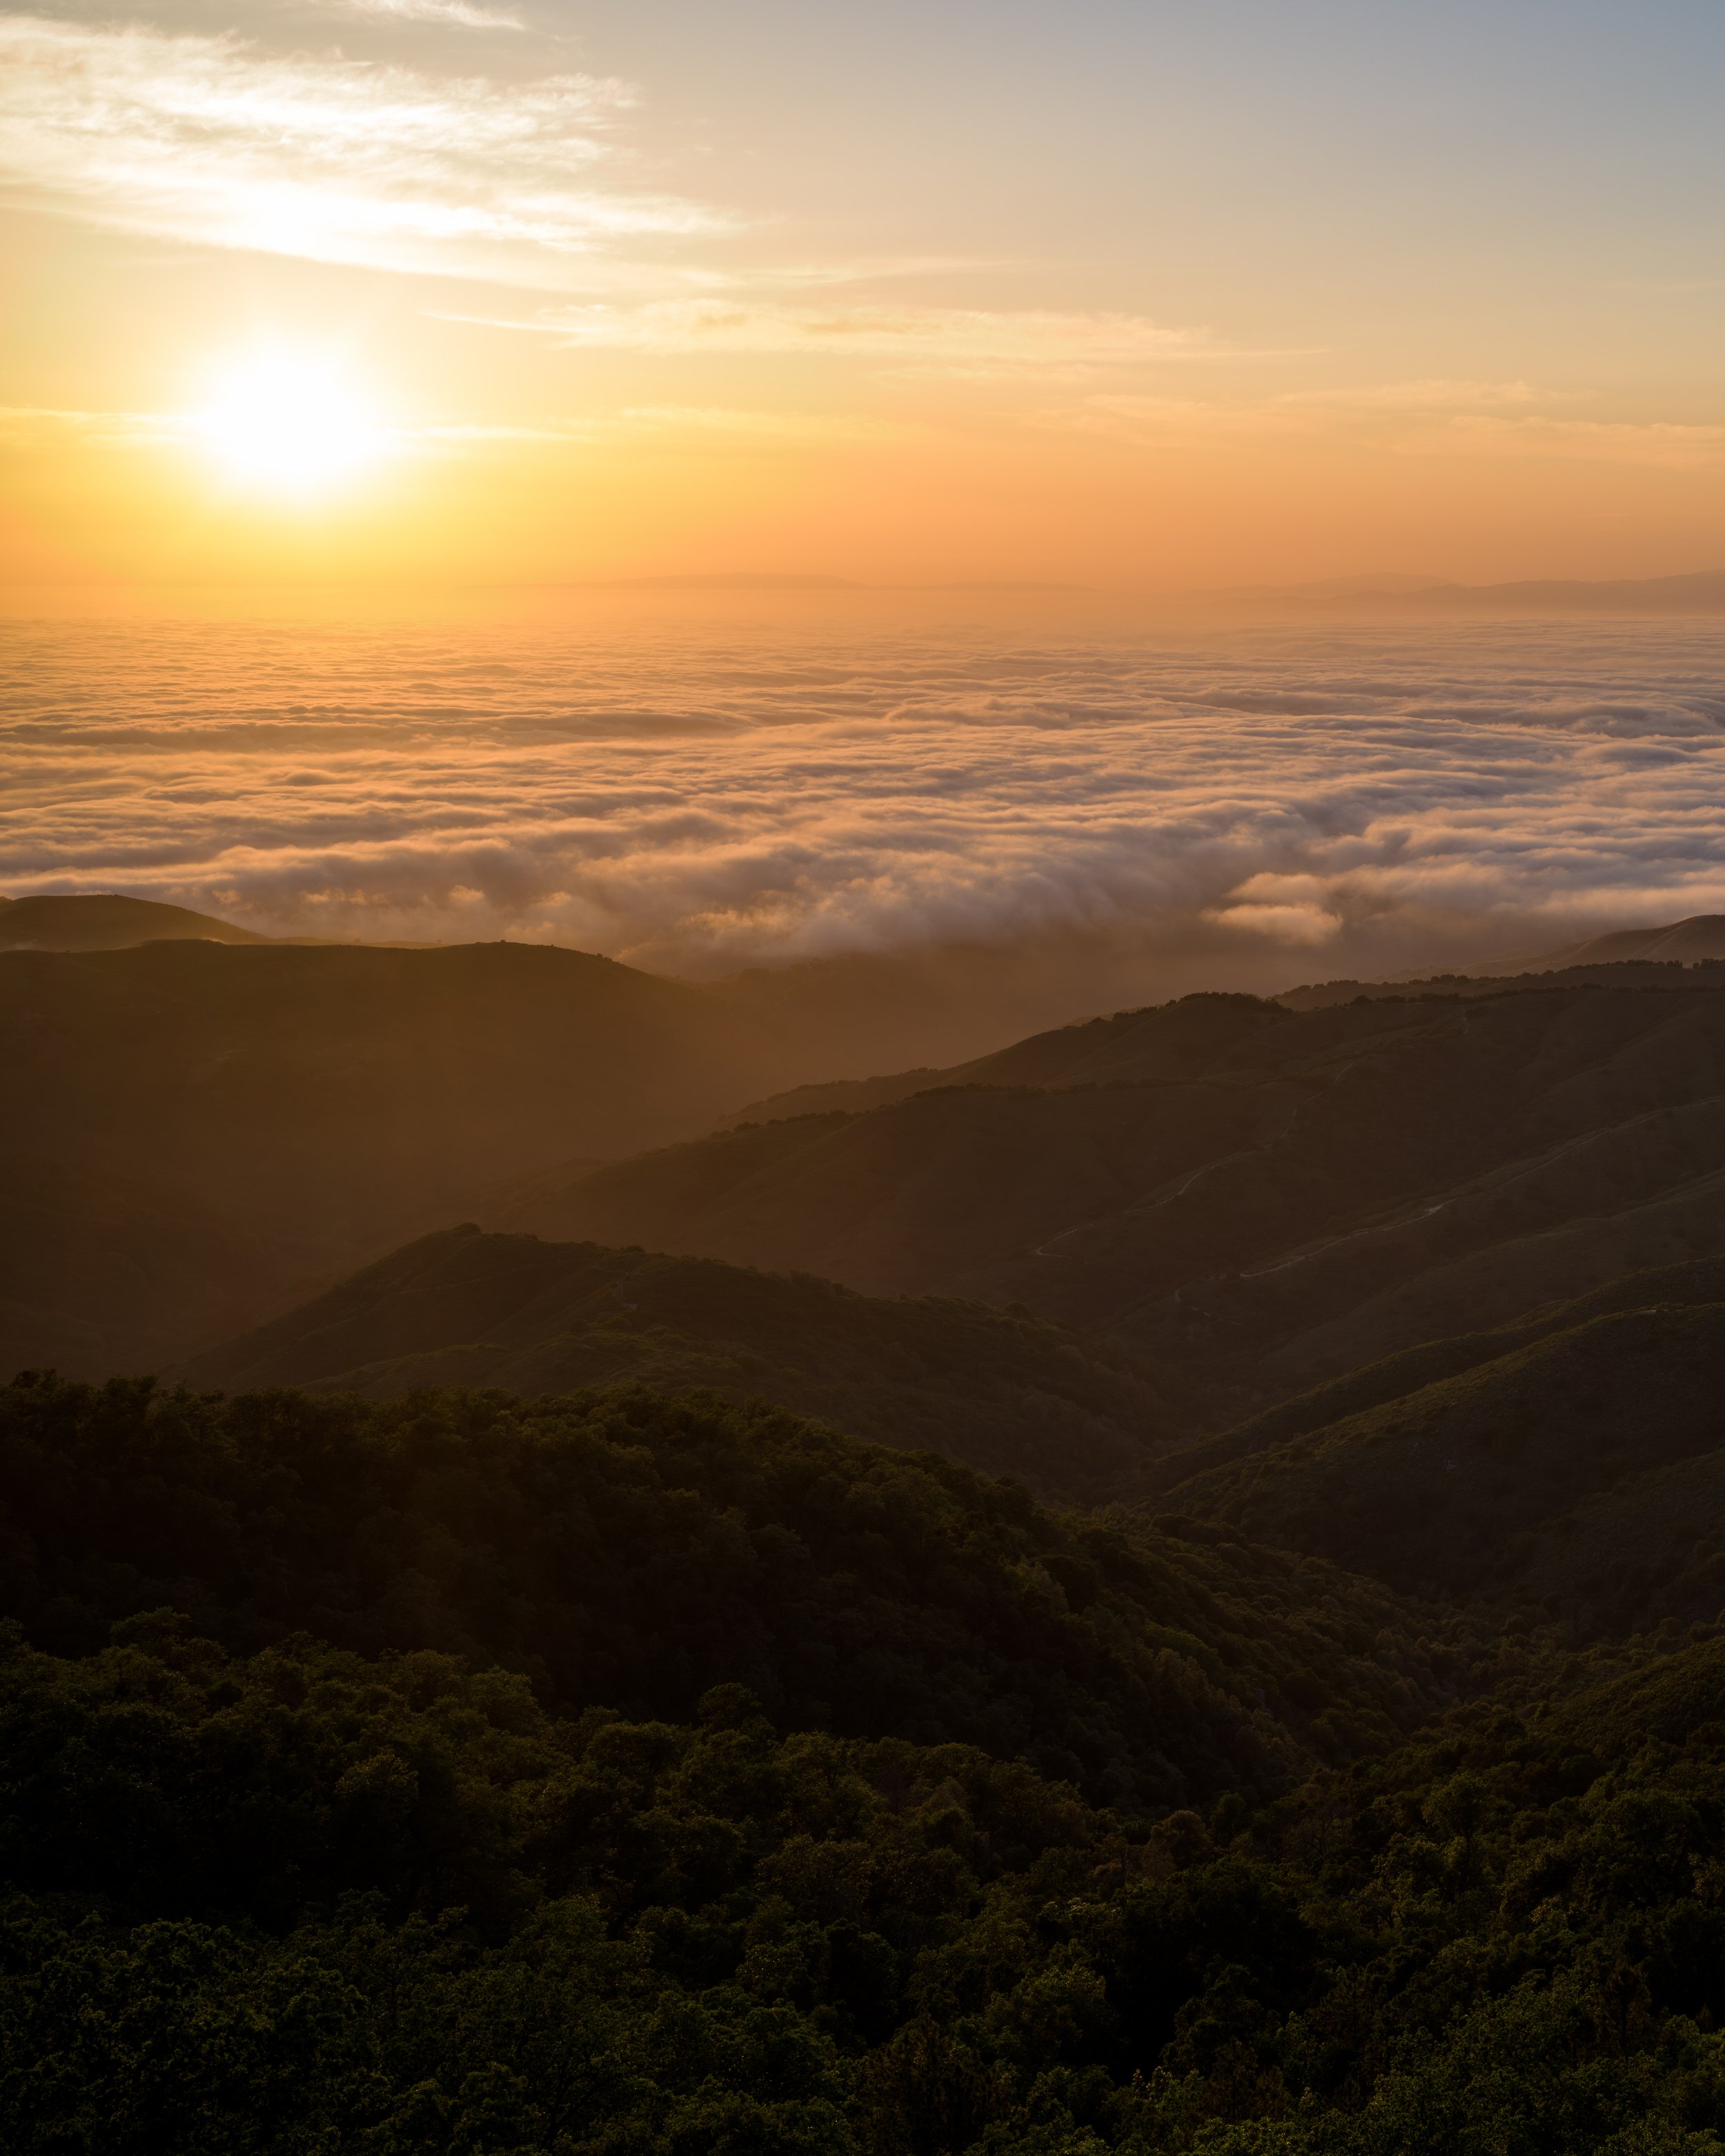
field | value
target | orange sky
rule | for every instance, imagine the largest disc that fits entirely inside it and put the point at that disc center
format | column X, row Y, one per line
column 425, row 291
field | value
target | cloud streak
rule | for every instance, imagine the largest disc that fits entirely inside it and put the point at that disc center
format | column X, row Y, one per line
column 1488, row 419
column 912, row 339
column 456, row 12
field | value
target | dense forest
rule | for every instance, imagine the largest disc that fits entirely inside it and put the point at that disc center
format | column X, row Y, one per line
column 466, row 1773
column 302, row 1900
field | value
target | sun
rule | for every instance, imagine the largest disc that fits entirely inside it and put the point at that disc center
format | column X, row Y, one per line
column 286, row 423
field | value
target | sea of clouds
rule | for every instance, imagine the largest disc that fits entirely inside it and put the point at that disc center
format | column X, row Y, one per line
column 699, row 791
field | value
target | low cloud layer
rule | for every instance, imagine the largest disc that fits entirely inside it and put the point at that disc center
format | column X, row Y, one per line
column 698, row 796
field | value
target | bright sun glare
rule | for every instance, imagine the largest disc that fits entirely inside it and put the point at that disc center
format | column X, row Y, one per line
column 285, row 421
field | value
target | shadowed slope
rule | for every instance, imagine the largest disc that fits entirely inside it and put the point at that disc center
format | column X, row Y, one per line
column 1583, row 1467
column 1701, row 1281
column 941, row 1193
column 102, row 1271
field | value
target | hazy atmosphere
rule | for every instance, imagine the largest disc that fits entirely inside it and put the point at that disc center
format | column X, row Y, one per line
column 862, row 1079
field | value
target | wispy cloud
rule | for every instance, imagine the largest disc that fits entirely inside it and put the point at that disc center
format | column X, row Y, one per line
column 205, row 138
column 457, row 12
column 38, row 426
column 1436, row 417
column 1678, row 446
column 923, row 341
column 1435, row 393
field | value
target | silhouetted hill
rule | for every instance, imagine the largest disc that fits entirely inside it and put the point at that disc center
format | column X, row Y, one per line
column 1010, row 1395
column 1311, row 1192
column 294, row 1109
column 1700, row 971
column 103, row 920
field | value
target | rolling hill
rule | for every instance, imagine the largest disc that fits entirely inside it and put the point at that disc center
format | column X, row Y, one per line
column 1441, row 1490
column 1259, row 1199
column 1008, row 1395
column 106, row 921
column 1572, row 1465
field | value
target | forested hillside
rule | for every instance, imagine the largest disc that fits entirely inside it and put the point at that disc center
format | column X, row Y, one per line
column 1259, row 1199
column 1468, row 1485
column 1002, row 1391
column 629, row 1552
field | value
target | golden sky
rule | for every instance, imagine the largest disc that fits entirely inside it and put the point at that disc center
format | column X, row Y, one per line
column 1123, row 292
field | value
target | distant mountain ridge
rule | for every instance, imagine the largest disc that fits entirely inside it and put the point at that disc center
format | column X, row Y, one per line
column 107, row 920
column 1702, row 592
column 1672, row 954
column 1699, row 938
